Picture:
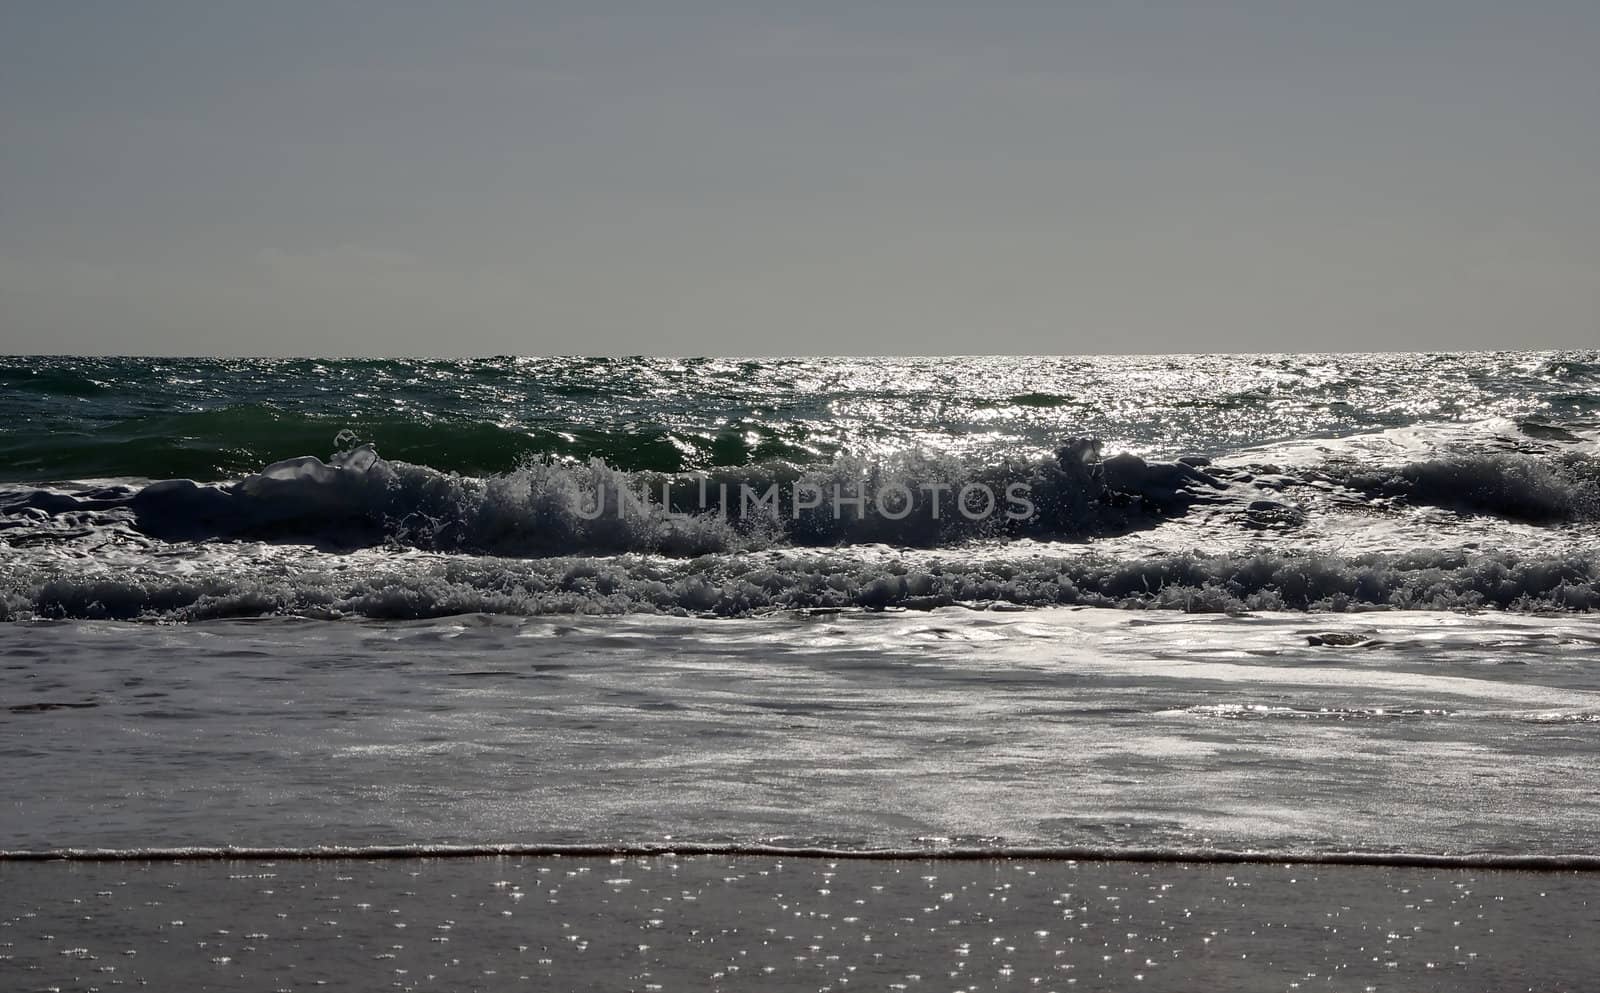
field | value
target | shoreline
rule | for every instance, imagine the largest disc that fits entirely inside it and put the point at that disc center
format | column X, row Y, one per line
column 1574, row 862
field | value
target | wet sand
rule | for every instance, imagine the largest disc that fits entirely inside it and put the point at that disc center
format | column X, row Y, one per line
column 767, row 923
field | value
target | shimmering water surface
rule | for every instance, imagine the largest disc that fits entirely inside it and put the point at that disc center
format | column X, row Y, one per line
column 359, row 601
column 392, row 489
column 1081, row 728
column 207, row 419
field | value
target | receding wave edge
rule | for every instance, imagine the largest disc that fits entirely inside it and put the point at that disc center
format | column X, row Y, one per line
column 1466, row 860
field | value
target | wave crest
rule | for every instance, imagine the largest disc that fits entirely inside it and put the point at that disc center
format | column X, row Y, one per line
column 913, row 499
column 1536, row 489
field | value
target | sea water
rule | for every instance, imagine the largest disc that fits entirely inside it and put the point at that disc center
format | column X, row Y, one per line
column 1291, row 604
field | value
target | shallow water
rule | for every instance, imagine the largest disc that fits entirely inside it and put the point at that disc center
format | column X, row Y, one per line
column 1434, row 732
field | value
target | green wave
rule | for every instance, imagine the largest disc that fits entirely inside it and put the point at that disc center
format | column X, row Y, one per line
column 230, row 442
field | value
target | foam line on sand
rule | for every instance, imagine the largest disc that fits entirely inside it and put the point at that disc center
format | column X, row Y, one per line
column 1480, row 860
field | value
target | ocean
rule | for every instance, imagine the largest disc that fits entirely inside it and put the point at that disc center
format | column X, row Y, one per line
column 1255, row 609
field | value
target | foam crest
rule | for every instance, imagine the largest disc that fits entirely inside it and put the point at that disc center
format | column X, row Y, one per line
column 909, row 500
column 1537, row 489
column 914, row 499
column 427, row 586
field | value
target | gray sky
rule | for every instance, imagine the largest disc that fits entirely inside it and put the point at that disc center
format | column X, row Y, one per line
column 273, row 176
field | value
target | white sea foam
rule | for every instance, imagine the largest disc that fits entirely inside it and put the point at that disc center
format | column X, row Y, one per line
column 1476, row 516
column 734, row 585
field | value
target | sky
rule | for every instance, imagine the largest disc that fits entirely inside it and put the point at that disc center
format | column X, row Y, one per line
column 687, row 177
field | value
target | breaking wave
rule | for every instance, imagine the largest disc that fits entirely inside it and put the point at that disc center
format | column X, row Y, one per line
column 361, row 500
column 898, row 531
column 912, row 499
column 739, row 585
column 1537, row 489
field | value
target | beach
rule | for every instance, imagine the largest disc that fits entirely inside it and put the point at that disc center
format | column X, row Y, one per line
column 765, row 923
